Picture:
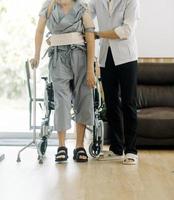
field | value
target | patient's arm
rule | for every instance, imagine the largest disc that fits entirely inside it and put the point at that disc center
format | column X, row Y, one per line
column 90, row 40
column 38, row 40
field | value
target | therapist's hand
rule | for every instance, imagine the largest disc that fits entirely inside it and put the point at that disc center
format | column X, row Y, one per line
column 96, row 35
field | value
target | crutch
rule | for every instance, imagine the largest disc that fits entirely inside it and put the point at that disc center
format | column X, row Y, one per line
column 33, row 142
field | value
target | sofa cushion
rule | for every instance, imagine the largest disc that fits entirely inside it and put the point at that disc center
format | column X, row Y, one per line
column 156, row 73
column 157, row 122
column 155, row 96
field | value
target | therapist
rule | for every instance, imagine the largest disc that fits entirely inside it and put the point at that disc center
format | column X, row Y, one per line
column 117, row 21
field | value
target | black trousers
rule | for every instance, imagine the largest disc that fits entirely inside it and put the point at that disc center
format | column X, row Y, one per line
column 119, row 85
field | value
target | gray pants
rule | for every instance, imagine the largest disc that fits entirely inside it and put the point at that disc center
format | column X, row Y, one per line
column 68, row 73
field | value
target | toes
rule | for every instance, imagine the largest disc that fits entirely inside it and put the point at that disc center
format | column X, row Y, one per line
column 83, row 157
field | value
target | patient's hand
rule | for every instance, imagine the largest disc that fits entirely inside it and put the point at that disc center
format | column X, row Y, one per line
column 91, row 79
column 34, row 62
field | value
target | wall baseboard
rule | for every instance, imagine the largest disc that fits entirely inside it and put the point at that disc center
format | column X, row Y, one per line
column 155, row 60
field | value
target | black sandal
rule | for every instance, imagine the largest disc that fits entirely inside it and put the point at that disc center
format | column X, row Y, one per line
column 62, row 154
column 78, row 152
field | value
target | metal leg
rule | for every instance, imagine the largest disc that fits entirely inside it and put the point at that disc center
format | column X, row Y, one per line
column 2, row 156
column 28, row 145
column 30, row 110
column 34, row 118
column 102, row 134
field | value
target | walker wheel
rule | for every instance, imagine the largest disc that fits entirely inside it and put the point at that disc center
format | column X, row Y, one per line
column 94, row 149
column 41, row 161
column 42, row 146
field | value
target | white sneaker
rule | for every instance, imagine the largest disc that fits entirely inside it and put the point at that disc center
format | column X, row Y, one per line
column 109, row 155
column 130, row 159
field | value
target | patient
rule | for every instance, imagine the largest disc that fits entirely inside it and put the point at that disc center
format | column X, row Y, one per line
column 71, row 60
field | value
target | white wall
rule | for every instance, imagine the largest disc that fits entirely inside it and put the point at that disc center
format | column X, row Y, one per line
column 155, row 31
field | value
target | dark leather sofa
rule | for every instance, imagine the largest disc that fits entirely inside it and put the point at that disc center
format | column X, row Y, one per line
column 155, row 104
